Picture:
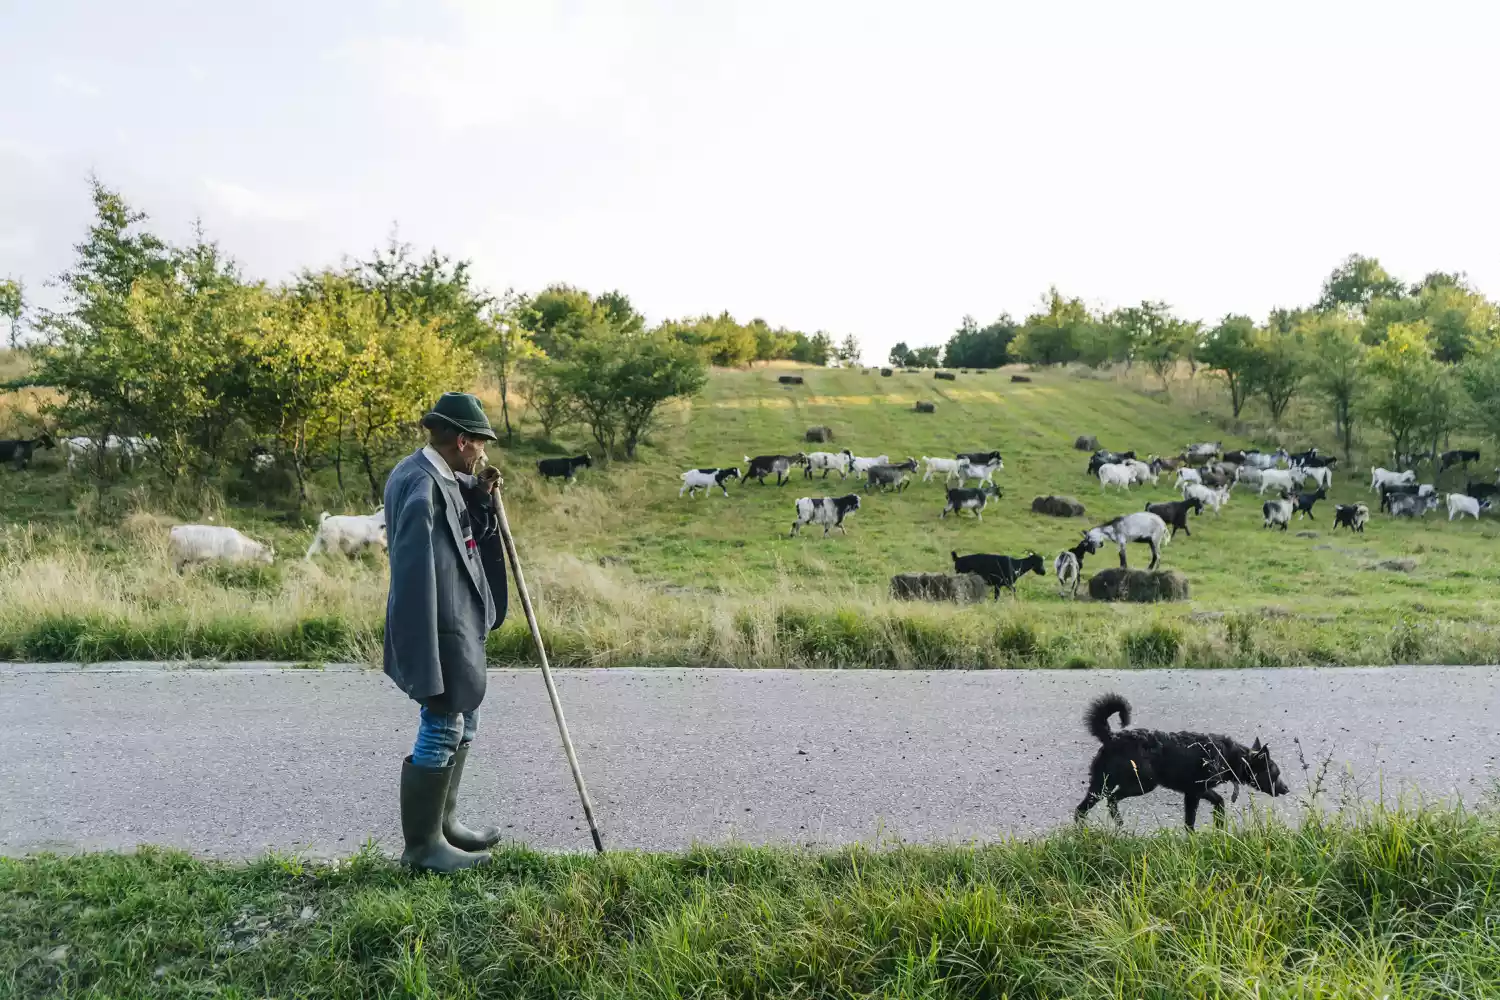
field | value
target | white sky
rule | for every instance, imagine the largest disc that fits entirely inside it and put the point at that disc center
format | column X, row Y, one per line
column 877, row 168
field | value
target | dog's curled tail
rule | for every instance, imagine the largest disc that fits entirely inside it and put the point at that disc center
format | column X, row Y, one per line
column 1100, row 709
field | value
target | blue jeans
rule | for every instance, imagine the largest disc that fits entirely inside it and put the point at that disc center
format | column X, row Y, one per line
column 439, row 735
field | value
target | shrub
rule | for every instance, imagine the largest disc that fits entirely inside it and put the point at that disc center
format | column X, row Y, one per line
column 1156, row 645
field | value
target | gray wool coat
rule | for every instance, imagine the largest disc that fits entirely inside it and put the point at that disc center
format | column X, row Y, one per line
column 444, row 589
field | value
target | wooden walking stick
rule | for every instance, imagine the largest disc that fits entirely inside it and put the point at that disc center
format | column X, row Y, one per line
column 541, row 652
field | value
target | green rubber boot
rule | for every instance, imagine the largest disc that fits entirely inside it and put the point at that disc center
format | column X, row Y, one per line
column 424, row 791
column 458, row 835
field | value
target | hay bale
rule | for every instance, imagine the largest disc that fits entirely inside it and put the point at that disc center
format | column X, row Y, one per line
column 1086, row 442
column 963, row 588
column 819, row 434
column 790, row 380
column 1020, row 378
column 945, row 376
column 886, row 373
column 1139, row 585
column 964, row 370
column 1057, row 506
column 925, row 407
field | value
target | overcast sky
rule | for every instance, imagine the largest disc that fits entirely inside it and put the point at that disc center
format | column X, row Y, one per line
column 872, row 167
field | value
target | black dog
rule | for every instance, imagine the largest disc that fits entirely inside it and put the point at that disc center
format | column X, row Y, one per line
column 1135, row 761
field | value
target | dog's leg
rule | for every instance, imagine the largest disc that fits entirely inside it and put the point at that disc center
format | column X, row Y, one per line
column 1217, row 801
column 1083, row 807
column 1190, row 809
column 1114, row 811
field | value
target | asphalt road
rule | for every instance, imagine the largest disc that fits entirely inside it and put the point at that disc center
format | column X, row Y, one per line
column 231, row 762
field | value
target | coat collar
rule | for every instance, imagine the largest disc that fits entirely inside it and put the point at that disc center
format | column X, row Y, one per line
column 454, row 503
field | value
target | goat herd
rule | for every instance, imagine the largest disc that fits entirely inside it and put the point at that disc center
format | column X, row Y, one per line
column 1205, row 475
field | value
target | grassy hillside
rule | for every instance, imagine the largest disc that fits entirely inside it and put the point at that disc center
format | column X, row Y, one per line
column 630, row 573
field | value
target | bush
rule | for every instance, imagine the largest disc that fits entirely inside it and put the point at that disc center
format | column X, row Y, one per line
column 1155, row 645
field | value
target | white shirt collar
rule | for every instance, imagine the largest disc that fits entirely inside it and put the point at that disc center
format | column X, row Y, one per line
column 439, row 463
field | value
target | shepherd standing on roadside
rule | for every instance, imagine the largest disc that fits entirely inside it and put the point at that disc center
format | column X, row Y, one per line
column 447, row 593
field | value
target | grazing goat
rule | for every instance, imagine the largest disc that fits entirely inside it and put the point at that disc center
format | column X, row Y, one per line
column 828, row 461
column 1143, row 527
column 1175, row 513
column 348, row 534
column 947, row 466
column 1202, row 450
column 1384, row 477
column 1140, row 472
column 780, row 466
column 1305, row 502
column 1481, row 490
column 1160, row 465
column 1115, row 475
column 960, row 500
column 1406, row 505
column 694, row 480
column 1320, row 474
column 1069, row 566
column 984, row 473
column 999, row 571
column 981, row 458
column 1265, row 460
column 565, row 469
column 1352, row 516
column 827, row 511
column 1105, row 457
column 1187, row 476
column 1459, row 505
column 885, row 476
column 1387, row 491
column 1248, row 474
column 1452, row 458
column 1208, row 496
column 18, row 452
column 1277, row 513
column 195, row 543
column 1286, row 480
column 860, row 466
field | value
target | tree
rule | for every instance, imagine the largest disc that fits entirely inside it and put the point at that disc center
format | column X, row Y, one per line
column 1226, row 350
column 1357, row 282
column 1054, row 335
column 1403, row 372
column 619, row 382
column 1459, row 317
column 298, row 384
column 1154, row 336
column 900, row 355
column 1480, row 375
column 718, row 340
column 814, row 350
column 770, row 344
column 1336, row 371
column 848, row 350
column 548, row 396
column 89, row 352
column 12, row 307
column 1277, row 367
column 433, row 289
column 505, row 347
column 923, row 357
column 975, row 346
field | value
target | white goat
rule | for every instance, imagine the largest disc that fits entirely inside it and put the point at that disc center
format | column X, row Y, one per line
column 860, row 466
column 1459, row 505
column 947, row 466
column 348, row 534
column 195, row 543
column 1280, row 479
column 1115, row 475
column 1385, row 477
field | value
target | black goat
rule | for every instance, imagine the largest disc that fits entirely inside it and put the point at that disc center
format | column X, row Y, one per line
column 1175, row 513
column 19, row 452
column 563, row 468
column 999, row 571
column 1452, row 458
column 1305, row 501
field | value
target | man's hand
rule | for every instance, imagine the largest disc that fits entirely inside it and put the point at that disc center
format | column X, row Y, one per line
column 489, row 477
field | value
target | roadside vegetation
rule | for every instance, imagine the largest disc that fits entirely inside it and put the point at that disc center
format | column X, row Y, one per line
column 330, row 371
column 1398, row 903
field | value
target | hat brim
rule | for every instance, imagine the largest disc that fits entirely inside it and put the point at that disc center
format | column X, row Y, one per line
column 429, row 419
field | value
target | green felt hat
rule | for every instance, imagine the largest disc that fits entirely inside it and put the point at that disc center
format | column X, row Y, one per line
column 461, row 411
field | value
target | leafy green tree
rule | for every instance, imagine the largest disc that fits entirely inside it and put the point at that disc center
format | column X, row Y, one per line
column 923, row 357
column 718, row 340
column 1278, row 364
column 1403, row 374
column 1054, row 335
column 505, row 347
column 975, row 346
column 619, row 382
column 1357, row 282
column 13, row 307
column 848, row 350
column 1480, row 376
column 814, row 350
column 1336, row 368
column 771, row 345
column 548, row 396
column 89, row 354
column 900, row 355
column 1227, row 351
column 298, row 385
column 1459, row 317
column 433, row 289
column 1154, row 336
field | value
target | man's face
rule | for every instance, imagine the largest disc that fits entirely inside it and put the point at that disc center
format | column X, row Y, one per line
column 470, row 452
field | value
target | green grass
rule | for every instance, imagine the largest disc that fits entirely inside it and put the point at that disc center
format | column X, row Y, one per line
column 1400, row 904
column 625, row 572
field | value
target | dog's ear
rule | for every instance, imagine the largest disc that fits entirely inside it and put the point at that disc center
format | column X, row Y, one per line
column 1256, row 749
